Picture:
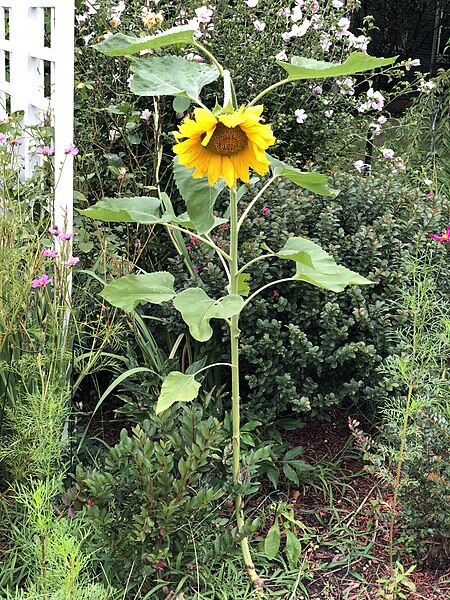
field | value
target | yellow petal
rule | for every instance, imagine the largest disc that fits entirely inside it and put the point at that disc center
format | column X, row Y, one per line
column 232, row 120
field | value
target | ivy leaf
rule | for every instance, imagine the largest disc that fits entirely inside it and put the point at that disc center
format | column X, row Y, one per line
column 309, row 68
column 199, row 197
column 177, row 387
column 272, row 541
column 170, row 76
column 317, row 267
column 314, row 182
column 129, row 291
column 123, row 45
column 197, row 309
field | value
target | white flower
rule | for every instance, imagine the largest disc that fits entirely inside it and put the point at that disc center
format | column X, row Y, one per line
column 344, row 23
column 286, row 36
column 300, row 2
column 382, row 120
column 329, row 113
column 284, row 12
column 204, row 14
column 426, row 86
column 428, row 181
column 194, row 57
column 300, row 115
column 317, row 89
column 359, row 165
column 113, row 135
column 337, row 4
column 314, row 6
column 376, row 127
column 412, row 63
column 259, row 25
column 281, row 55
column 296, row 14
column 325, row 43
column 376, row 99
column 388, row 153
column 145, row 114
column 251, row 3
column 300, row 31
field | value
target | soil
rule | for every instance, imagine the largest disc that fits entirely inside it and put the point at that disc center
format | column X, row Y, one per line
column 364, row 506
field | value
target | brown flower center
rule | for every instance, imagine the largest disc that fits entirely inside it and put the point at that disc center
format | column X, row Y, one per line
column 227, row 140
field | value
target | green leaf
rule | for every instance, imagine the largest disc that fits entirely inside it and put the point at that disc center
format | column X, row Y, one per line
column 199, row 197
column 272, row 541
column 290, row 473
column 123, row 45
column 317, row 267
column 309, row 68
column 177, row 387
column 143, row 209
column 293, row 548
column 170, row 76
column 243, row 287
column 180, row 104
column 197, row 309
column 314, row 182
column 127, row 292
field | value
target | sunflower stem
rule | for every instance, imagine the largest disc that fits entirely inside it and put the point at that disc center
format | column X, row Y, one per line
column 272, row 87
column 235, row 407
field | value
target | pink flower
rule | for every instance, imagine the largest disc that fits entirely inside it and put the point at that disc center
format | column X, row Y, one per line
column 276, row 293
column 45, row 150
column 445, row 237
column 388, row 153
column 188, row 248
column 3, row 137
column 194, row 57
column 382, row 120
column 329, row 113
column 194, row 240
column 41, row 282
column 54, row 230
column 146, row 114
column 48, row 252
column 196, row 270
column 314, row 6
column 65, row 236
column 376, row 99
column 72, row 150
column 259, row 25
column 71, row 261
column 265, row 210
column 430, row 195
column 325, row 43
column 317, row 89
column 337, row 4
column 284, row 12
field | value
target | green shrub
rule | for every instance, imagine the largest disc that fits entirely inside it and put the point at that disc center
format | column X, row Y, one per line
column 148, row 499
column 305, row 349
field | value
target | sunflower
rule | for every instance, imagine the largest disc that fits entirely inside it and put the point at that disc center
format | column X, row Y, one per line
column 225, row 146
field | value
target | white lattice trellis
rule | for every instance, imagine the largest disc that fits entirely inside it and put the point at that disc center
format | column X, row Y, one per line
column 36, row 77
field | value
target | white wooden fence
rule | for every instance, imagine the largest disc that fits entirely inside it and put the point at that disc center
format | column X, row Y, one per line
column 36, row 77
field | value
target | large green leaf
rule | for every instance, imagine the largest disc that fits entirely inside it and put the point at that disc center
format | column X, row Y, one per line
column 309, row 68
column 314, row 182
column 123, row 45
column 199, row 197
column 129, row 291
column 177, row 387
column 197, row 309
column 317, row 267
column 170, row 76
column 272, row 541
column 141, row 209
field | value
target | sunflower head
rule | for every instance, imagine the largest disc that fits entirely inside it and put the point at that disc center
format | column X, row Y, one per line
column 225, row 146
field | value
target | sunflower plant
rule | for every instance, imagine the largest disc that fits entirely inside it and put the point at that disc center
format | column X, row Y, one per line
column 216, row 149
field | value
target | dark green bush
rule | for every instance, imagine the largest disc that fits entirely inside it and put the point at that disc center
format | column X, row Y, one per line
column 147, row 500
column 305, row 349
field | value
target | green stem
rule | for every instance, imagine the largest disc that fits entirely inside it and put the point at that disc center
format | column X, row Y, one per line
column 272, row 87
column 255, row 199
column 254, row 260
column 235, row 407
column 264, row 287
column 208, row 242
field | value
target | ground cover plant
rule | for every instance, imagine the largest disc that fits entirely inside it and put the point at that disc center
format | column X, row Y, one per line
column 253, row 371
